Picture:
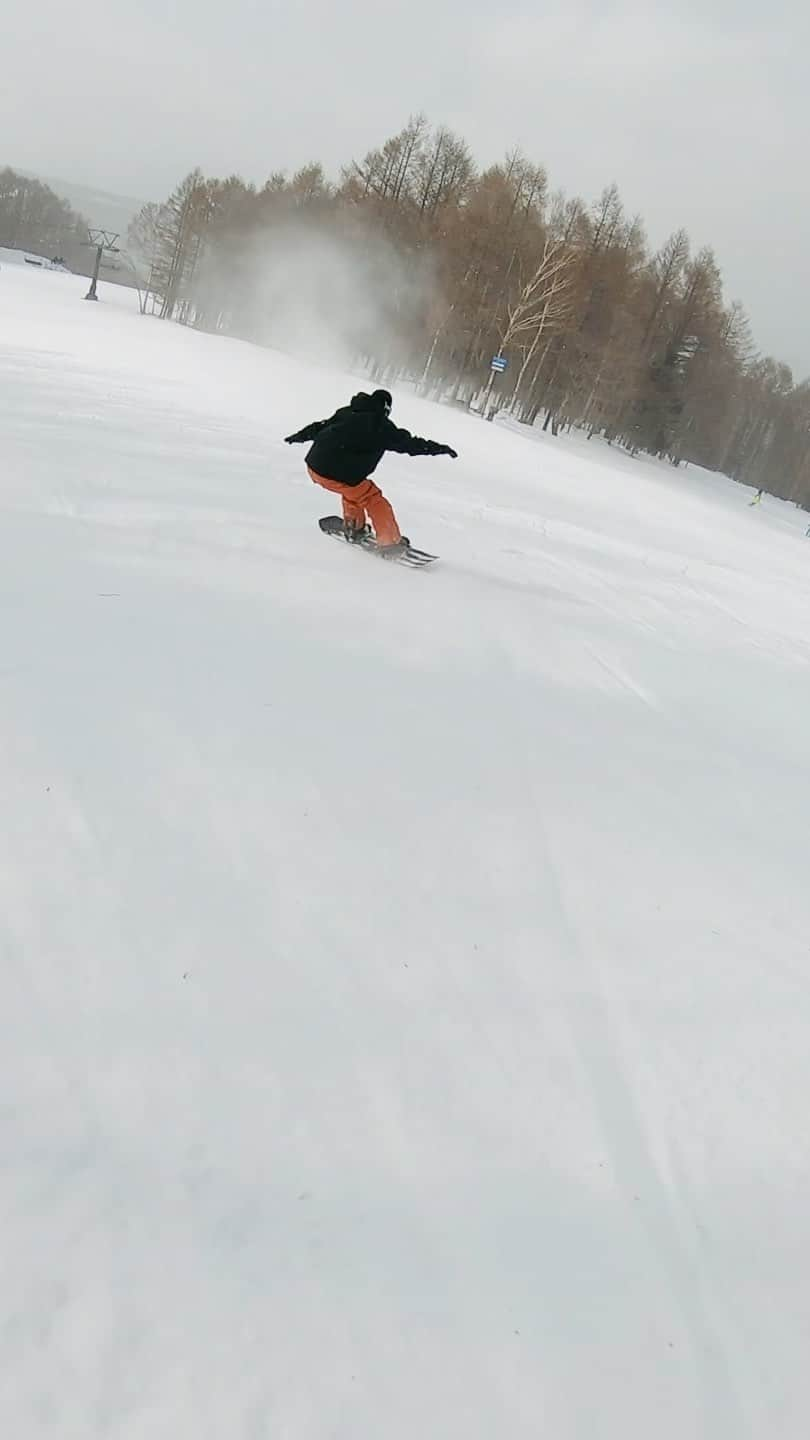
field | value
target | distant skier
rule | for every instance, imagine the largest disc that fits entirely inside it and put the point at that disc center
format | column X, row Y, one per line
column 348, row 448
column 757, row 500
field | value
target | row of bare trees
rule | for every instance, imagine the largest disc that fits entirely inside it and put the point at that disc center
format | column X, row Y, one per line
column 462, row 264
column 33, row 217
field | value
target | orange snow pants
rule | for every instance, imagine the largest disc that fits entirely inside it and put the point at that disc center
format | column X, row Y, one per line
column 359, row 499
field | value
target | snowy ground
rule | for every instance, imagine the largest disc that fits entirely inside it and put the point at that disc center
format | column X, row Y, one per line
column 406, row 1023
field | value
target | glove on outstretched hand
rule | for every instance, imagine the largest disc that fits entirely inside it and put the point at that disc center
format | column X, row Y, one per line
column 437, row 449
column 290, row 439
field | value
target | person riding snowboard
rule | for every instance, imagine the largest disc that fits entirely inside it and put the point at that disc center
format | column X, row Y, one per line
column 348, row 448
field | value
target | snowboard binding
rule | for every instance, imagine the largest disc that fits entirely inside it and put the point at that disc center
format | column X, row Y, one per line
column 403, row 553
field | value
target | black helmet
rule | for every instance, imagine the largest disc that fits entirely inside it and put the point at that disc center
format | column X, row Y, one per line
column 383, row 400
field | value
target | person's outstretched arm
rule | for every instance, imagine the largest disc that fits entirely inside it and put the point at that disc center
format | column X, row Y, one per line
column 404, row 443
column 308, row 433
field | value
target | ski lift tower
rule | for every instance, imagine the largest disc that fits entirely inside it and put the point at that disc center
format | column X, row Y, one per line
column 104, row 241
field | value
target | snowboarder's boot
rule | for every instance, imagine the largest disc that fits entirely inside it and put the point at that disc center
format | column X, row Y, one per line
column 356, row 534
column 393, row 552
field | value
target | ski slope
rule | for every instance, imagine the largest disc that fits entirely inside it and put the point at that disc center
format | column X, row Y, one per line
column 406, row 1022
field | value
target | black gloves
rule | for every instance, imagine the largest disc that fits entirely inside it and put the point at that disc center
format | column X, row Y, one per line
column 290, row 439
column 435, row 449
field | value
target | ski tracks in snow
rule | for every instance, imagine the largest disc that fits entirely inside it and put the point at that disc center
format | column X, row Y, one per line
column 596, row 1027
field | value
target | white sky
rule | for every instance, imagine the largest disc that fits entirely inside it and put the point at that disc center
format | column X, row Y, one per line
column 699, row 111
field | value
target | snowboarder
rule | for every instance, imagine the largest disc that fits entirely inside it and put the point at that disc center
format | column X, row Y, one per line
column 757, row 500
column 348, row 448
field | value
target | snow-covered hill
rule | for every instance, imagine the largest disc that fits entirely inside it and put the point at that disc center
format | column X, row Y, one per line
column 405, row 1026
column 9, row 256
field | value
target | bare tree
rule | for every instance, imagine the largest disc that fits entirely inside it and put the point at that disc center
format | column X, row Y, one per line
column 540, row 305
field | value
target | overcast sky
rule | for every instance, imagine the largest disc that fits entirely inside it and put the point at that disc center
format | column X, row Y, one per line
column 700, row 111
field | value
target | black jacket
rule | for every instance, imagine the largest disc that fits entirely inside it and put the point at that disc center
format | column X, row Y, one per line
column 351, row 443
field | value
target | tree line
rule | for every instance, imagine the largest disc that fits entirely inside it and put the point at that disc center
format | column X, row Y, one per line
column 33, row 217
column 459, row 264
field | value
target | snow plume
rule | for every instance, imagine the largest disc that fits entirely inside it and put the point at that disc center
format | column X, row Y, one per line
column 339, row 298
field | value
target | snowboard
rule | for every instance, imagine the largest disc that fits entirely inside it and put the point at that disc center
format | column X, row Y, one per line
column 416, row 559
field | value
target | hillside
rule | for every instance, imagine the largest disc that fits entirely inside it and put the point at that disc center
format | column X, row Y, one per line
column 405, row 1024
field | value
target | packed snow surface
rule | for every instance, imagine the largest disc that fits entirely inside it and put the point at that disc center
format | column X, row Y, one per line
column 405, row 1030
